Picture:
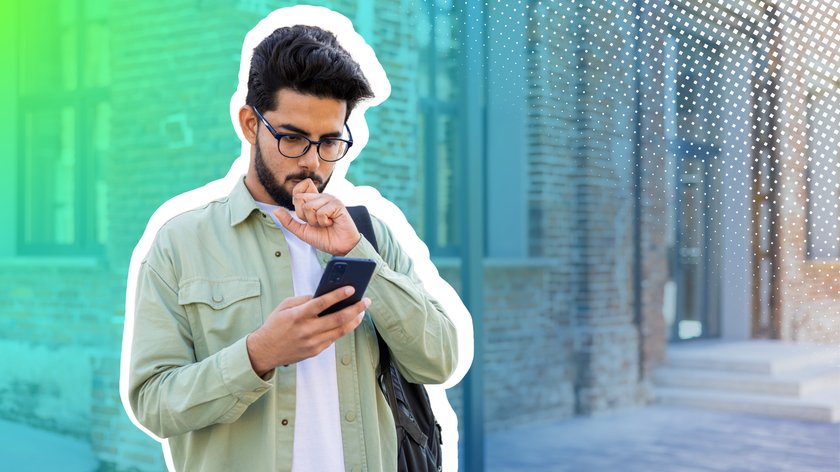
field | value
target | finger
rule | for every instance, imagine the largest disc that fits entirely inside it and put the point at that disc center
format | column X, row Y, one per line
column 344, row 316
column 329, row 211
column 299, row 192
column 304, row 186
column 317, row 305
column 344, row 321
column 299, row 209
column 311, row 207
column 294, row 301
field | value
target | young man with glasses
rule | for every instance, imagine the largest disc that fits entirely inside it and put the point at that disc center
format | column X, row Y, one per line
column 229, row 359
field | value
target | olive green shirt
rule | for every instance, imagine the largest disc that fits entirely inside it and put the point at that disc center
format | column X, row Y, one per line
column 211, row 277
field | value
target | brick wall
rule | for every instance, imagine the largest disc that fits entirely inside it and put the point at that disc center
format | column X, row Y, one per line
column 656, row 201
column 581, row 193
column 168, row 70
column 51, row 333
column 560, row 333
column 391, row 159
column 528, row 365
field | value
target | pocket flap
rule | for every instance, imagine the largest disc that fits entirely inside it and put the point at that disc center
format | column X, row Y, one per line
column 218, row 293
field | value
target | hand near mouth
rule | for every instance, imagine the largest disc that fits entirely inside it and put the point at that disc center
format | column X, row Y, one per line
column 327, row 226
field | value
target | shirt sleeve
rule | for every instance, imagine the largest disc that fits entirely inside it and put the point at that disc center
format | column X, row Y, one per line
column 419, row 334
column 170, row 392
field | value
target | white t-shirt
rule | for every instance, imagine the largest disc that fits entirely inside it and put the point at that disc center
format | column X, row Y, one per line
column 317, row 443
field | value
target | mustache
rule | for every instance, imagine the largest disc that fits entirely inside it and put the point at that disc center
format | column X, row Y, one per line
column 303, row 176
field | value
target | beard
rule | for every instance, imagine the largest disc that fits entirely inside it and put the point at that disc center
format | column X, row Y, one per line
column 274, row 188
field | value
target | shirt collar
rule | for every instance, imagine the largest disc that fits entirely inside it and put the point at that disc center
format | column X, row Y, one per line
column 242, row 204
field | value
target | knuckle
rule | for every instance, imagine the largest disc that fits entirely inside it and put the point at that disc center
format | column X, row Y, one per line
column 312, row 347
column 294, row 311
column 346, row 317
column 322, row 303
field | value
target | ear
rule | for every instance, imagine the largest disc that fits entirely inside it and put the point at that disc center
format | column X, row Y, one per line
column 248, row 122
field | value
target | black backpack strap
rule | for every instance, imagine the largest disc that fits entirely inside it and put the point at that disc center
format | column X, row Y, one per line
column 361, row 217
column 406, row 400
column 364, row 224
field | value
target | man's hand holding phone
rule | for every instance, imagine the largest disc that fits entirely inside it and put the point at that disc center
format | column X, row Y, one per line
column 294, row 331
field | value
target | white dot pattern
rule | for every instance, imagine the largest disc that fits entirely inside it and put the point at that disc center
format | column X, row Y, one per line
column 739, row 128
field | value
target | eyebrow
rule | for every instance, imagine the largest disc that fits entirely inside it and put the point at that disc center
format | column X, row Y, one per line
column 295, row 129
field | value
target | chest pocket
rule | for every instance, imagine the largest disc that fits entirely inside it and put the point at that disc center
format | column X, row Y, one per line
column 220, row 311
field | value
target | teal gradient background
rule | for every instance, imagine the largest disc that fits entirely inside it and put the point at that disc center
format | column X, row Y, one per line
column 111, row 108
column 622, row 147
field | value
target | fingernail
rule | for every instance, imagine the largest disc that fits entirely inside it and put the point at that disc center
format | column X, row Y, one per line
column 348, row 290
column 367, row 301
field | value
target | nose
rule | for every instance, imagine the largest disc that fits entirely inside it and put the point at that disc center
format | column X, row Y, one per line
column 310, row 159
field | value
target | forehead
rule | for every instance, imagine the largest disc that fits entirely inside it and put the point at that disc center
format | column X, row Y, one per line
column 314, row 114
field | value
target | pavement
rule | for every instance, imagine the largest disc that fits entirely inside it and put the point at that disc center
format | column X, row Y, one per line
column 661, row 438
column 24, row 449
column 656, row 438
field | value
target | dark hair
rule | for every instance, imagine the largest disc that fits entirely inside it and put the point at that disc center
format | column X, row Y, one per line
column 308, row 60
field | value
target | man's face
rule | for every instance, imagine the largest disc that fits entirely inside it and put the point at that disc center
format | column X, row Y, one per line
column 306, row 115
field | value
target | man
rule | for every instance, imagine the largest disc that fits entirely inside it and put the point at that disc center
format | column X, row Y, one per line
column 229, row 359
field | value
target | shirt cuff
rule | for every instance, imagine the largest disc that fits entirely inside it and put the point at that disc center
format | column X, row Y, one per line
column 238, row 375
column 364, row 250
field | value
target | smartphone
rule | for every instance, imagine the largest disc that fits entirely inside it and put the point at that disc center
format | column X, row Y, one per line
column 343, row 271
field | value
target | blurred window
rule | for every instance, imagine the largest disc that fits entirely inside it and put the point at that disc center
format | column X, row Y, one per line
column 822, row 179
column 438, row 126
column 64, row 127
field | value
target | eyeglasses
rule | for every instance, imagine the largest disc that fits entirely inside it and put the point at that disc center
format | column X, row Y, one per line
column 293, row 145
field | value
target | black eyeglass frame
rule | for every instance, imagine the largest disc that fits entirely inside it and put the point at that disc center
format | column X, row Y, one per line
column 279, row 136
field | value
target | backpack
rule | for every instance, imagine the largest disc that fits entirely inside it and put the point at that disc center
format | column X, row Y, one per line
column 418, row 433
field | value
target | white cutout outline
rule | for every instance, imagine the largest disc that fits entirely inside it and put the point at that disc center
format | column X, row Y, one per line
column 347, row 192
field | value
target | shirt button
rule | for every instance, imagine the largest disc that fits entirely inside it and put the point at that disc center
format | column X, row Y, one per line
column 277, row 253
column 345, row 359
column 284, row 422
column 350, row 416
column 217, row 297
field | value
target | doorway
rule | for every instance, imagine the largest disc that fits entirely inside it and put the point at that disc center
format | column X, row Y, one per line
column 695, row 256
column 694, row 155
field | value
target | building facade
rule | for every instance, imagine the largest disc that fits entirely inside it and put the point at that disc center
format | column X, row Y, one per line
column 654, row 173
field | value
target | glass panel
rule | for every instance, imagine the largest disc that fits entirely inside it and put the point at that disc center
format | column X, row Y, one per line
column 439, row 140
column 445, row 184
column 64, row 171
column 97, row 71
column 69, row 59
column 692, row 253
column 697, row 92
column 48, row 158
column 823, row 178
column 102, row 142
